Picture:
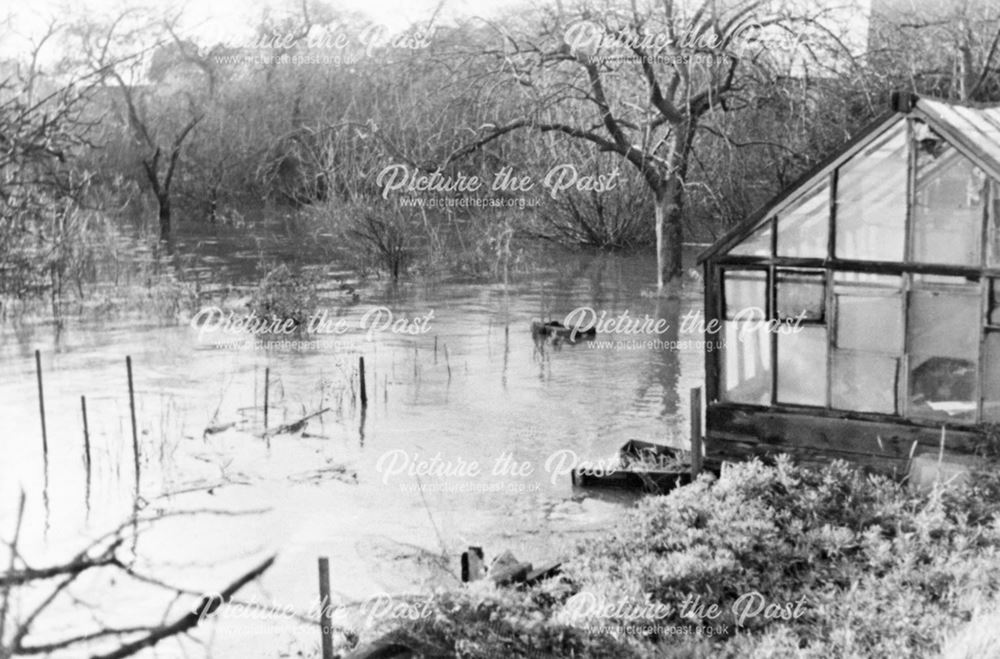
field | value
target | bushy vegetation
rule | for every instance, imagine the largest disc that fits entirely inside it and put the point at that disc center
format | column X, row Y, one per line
column 874, row 570
column 285, row 295
column 161, row 123
column 202, row 130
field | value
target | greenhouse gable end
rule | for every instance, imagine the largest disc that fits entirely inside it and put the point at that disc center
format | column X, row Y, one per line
column 859, row 311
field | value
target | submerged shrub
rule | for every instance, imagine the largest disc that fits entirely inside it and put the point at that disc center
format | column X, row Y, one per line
column 283, row 294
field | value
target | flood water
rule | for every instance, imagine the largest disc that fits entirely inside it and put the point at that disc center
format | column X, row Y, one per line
column 385, row 493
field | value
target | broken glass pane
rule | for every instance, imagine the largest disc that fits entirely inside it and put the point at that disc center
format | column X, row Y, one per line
column 801, row 295
column 746, row 294
column 991, row 384
column 746, row 363
column 802, row 366
column 757, row 243
column 864, row 382
column 804, row 229
column 943, row 343
column 871, row 200
column 948, row 206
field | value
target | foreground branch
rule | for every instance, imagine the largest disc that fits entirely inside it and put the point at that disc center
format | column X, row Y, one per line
column 189, row 621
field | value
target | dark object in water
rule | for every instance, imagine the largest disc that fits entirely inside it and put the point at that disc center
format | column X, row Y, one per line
column 645, row 480
column 557, row 330
column 506, row 569
column 648, row 454
column 643, row 466
column 472, row 564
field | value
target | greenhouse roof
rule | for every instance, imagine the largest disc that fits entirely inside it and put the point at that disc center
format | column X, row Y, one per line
column 973, row 131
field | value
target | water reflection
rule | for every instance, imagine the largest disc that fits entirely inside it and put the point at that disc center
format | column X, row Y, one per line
column 476, row 387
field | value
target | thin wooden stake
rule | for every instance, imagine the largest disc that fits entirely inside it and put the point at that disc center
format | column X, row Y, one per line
column 267, row 389
column 135, row 432
column 364, row 388
column 447, row 361
column 696, row 457
column 944, row 432
column 86, row 440
column 41, row 405
column 325, row 622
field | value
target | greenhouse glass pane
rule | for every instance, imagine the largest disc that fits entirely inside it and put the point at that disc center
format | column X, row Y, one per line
column 863, row 382
column 746, row 363
column 991, row 389
column 804, row 229
column 746, row 294
column 870, row 323
column 802, row 366
column 757, row 243
column 871, row 200
column 943, row 328
column 948, row 207
column 801, row 295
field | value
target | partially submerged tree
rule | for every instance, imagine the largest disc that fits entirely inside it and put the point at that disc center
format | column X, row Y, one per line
column 160, row 117
column 641, row 81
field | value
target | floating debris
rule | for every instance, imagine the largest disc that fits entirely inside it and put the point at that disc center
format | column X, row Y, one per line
column 332, row 473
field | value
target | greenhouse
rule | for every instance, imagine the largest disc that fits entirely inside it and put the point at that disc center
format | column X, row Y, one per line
column 858, row 313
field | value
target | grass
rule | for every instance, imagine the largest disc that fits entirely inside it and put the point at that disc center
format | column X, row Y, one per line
column 874, row 569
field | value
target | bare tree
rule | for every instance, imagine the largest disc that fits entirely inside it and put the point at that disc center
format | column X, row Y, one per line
column 949, row 49
column 160, row 117
column 42, row 130
column 640, row 82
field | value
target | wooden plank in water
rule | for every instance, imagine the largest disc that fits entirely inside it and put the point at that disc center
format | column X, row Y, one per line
column 647, row 481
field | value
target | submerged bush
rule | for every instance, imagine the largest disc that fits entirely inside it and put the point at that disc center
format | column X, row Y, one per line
column 854, row 564
column 284, row 295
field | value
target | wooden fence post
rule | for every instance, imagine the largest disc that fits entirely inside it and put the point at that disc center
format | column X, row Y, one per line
column 696, row 450
column 364, row 386
column 325, row 622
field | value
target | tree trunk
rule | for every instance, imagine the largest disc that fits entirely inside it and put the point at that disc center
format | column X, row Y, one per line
column 669, row 234
column 164, row 202
column 669, row 196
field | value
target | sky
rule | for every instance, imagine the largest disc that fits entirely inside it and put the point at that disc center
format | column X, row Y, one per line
column 230, row 21
column 231, row 17
column 213, row 21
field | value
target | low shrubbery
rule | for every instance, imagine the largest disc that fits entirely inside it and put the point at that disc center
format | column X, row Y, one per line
column 851, row 565
column 285, row 295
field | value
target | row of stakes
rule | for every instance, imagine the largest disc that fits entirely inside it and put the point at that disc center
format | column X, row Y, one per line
column 325, row 622
column 86, row 429
column 131, row 402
